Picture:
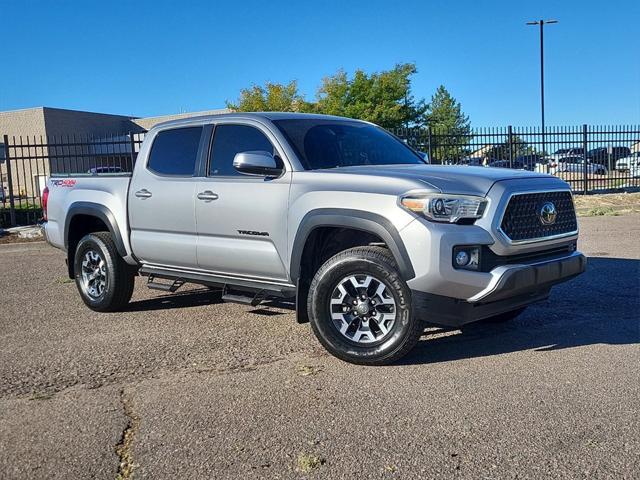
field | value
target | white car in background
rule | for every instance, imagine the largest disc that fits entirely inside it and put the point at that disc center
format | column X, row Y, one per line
column 575, row 164
column 565, row 153
column 628, row 163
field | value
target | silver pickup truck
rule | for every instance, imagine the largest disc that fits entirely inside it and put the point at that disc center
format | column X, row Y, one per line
column 371, row 242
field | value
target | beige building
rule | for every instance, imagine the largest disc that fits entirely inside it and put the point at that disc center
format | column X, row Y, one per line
column 35, row 135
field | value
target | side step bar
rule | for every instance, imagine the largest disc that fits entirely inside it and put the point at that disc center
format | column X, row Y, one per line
column 243, row 297
column 165, row 287
column 252, row 289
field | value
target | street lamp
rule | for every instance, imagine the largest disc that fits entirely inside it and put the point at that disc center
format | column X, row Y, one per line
column 542, row 23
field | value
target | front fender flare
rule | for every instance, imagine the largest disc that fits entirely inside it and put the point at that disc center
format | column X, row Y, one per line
column 348, row 218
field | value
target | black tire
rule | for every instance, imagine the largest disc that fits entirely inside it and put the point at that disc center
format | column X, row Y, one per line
column 377, row 262
column 119, row 276
column 505, row 317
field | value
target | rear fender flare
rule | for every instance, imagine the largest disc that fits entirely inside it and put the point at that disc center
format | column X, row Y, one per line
column 101, row 212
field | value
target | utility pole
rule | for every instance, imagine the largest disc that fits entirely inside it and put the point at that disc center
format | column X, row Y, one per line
column 542, row 23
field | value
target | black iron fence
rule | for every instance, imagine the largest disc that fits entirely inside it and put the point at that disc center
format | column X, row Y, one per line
column 26, row 163
column 591, row 159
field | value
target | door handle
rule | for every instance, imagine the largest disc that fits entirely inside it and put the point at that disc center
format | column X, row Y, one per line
column 207, row 196
column 144, row 193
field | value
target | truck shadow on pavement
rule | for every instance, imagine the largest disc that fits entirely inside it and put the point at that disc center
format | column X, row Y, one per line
column 188, row 298
column 602, row 306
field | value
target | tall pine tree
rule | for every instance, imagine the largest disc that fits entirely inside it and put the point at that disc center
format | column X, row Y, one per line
column 450, row 127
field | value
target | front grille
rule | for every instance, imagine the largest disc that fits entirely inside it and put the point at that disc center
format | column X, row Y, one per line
column 521, row 220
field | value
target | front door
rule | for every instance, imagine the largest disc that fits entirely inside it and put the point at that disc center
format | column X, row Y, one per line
column 242, row 219
column 161, row 200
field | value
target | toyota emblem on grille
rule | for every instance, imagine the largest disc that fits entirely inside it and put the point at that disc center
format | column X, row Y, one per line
column 548, row 214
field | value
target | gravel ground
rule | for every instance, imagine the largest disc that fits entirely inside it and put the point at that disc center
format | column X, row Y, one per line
column 180, row 387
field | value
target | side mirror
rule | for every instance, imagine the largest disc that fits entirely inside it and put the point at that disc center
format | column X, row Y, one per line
column 258, row 163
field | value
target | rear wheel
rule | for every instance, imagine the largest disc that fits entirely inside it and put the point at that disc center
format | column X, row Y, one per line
column 360, row 307
column 105, row 281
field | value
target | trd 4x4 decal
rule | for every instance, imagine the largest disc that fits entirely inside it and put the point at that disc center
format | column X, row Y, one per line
column 70, row 183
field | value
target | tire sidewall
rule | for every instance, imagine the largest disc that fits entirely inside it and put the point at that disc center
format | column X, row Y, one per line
column 91, row 242
column 327, row 279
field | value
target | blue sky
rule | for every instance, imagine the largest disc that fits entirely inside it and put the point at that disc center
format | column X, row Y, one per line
column 148, row 58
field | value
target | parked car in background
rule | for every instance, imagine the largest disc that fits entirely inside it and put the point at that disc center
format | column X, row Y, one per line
column 472, row 161
column 515, row 164
column 101, row 170
column 634, row 170
column 530, row 161
column 566, row 152
column 608, row 155
column 627, row 163
column 576, row 164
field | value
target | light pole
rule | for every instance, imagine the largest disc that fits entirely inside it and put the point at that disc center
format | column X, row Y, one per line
column 542, row 23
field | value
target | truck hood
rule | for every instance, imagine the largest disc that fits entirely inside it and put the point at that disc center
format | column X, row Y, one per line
column 455, row 179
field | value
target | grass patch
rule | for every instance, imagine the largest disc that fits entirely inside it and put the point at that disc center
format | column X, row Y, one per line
column 308, row 462
column 602, row 211
column 64, row 280
column 41, row 396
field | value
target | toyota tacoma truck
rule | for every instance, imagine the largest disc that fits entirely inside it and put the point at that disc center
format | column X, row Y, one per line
column 372, row 243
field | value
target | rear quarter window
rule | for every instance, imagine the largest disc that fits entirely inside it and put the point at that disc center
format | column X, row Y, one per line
column 175, row 152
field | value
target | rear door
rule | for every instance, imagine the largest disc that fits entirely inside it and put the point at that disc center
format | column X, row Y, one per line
column 242, row 219
column 161, row 199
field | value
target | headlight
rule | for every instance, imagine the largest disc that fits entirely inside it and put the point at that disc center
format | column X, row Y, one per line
column 445, row 208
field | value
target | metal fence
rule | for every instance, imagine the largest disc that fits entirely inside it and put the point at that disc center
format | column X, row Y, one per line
column 612, row 157
column 26, row 163
column 590, row 158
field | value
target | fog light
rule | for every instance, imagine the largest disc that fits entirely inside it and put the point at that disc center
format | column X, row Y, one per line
column 462, row 258
column 466, row 257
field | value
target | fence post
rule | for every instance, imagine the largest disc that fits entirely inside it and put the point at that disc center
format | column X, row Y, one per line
column 132, row 146
column 585, row 141
column 12, row 203
column 510, row 132
column 429, row 143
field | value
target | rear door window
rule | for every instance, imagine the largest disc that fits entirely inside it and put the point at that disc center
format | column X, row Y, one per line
column 175, row 152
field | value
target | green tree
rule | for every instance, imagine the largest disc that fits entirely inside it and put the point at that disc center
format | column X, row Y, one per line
column 383, row 98
column 273, row 97
column 450, row 127
column 518, row 147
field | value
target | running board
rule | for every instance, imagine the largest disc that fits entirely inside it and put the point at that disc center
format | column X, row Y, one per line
column 244, row 298
column 165, row 287
column 249, row 286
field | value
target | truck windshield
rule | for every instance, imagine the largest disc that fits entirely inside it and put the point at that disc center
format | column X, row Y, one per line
column 333, row 143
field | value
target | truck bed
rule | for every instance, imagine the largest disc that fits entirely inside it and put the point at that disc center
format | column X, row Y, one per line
column 69, row 194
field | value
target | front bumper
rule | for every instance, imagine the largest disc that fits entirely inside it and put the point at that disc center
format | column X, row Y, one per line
column 511, row 287
column 512, row 280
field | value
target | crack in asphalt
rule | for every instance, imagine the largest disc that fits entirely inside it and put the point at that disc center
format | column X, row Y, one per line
column 126, row 465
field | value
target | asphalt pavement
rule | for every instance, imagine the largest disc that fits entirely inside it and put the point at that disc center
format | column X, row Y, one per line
column 180, row 387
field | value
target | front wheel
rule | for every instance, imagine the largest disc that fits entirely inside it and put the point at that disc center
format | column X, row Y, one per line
column 105, row 281
column 360, row 307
